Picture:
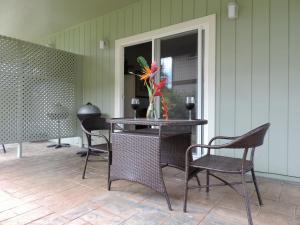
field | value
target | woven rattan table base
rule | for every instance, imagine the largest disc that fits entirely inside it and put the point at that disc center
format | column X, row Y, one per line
column 139, row 155
column 138, row 158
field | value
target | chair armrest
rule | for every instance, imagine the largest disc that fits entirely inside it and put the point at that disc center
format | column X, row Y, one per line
column 97, row 135
column 207, row 146
column 222, row 137
column 204, row 146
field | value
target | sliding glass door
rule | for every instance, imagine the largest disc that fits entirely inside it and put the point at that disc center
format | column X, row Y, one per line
column 180, row 59
column 179, row 66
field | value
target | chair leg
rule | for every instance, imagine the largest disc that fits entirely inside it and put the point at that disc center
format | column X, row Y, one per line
column 3, row 147
column 207, row 180
column 108, row 173
column 198, row 181
column 168, row 200
column 256, row 187
column 247, row 200
column 186, row 188
column 109, row 185
column 108, row 177
column 86, row 161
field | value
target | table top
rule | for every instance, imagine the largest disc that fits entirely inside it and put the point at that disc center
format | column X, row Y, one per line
column 157, row 122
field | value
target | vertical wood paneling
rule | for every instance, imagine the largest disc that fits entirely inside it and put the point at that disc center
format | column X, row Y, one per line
column 278, row 86
column 71, row 39
column 200, row 8
column 146, row 19
column 294, row 89
column 188, row 10
column 113, row 35
column 87, row 62
column 67, row 40
column 121, row 23
column 257, row 65
column 260, row 76
column 99, row 79
column 129, row 20
column 176, row 11
column 165, row 13
column 81, row 31
column 60, row 41
column 155, row 14
column 137, row 18
column 106, row 86
column 54, row 39
column 243, row 70
column 227, row 88
column 76, row 46
column 93, row 62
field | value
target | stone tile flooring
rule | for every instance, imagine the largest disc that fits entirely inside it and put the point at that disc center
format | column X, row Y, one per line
column 45, row 187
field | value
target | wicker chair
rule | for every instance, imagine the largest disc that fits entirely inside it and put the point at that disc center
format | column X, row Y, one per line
column 3, row 147
column 95, row 124
column 229, row 165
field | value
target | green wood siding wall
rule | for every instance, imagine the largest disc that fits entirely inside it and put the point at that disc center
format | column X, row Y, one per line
column 257, row 66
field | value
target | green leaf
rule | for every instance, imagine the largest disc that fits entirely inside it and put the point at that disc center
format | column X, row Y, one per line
column 142, row 61
column 149, row 90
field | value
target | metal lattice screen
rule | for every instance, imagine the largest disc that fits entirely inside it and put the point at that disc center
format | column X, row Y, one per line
column 34, row 81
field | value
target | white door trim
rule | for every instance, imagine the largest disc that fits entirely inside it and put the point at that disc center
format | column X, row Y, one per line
column 208, row 24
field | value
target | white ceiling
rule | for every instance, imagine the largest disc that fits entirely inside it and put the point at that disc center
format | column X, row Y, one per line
column 31, row 19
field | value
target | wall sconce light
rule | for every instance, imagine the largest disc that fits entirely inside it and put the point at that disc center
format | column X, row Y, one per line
column 232, row 10
column 103, row 44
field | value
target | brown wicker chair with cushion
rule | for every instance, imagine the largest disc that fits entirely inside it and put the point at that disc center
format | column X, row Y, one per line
column 95, row 124
column 248, row 141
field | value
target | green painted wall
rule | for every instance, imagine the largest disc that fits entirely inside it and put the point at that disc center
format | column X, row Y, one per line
column 257, row 69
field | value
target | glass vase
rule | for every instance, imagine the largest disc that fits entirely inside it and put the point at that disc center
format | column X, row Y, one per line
column 151, row 113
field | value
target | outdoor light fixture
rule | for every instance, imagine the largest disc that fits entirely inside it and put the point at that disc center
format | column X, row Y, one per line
column 103, row 44
column 232, row 10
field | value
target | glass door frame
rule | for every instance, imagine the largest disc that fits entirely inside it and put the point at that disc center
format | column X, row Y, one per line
column 206, row 66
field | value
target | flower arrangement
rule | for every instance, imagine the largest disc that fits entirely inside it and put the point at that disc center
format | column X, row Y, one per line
column 153, row 88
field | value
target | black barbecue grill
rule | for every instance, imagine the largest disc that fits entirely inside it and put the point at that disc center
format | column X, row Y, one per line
column 87, row 111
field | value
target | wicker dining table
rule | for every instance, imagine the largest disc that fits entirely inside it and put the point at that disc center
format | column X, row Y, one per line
column 140, row 154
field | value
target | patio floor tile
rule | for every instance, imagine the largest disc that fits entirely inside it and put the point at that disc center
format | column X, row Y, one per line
column 45, row 188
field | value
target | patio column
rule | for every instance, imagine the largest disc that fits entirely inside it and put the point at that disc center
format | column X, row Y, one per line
column 19, row 153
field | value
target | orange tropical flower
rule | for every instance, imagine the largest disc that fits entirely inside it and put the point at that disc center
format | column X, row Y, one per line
column 146, row 74
column 153, row 88
column 149, row 73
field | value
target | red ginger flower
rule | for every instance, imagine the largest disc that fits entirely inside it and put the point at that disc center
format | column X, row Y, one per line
column 157, row 92
column 158, row 87
column 154, row 67
column 165, row 108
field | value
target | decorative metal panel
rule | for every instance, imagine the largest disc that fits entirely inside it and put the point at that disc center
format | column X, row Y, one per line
column 39, row 92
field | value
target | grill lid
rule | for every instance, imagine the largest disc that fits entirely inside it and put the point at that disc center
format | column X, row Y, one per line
column 88, row 110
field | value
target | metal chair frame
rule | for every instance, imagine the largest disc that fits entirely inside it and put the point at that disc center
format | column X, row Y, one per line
column 89, row 135
column 3, row 147
column 250, row 140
